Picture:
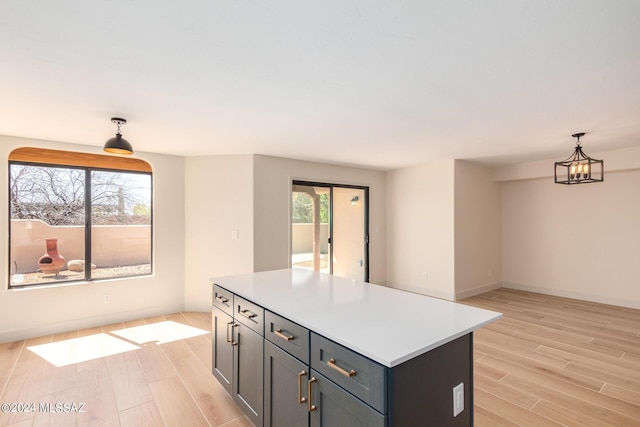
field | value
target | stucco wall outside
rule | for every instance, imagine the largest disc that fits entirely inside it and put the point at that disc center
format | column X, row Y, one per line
column 113, row 245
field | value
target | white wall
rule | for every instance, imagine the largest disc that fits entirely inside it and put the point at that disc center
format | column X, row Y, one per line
column 272, row 207
column 219, row 202
column 420, row 229
column 478, row 251
column 34, row 312
column 578, row 241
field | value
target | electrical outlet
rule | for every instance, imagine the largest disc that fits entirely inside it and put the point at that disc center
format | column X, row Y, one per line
column 458, row 399
column 107, row 298
column 424, row 275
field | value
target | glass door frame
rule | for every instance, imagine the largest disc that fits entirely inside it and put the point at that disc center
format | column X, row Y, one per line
column 331, row 186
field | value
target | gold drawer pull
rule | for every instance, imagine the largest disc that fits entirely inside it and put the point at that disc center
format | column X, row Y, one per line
column 332, row 364
column 248, row 314
column 222, row 299
column 310, row 407
column 279, row 333
column 301, row 398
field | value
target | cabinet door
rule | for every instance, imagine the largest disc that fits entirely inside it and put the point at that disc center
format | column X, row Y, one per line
column 222, row 352
column 336, row 407
column 285, row 389
column 248, row 372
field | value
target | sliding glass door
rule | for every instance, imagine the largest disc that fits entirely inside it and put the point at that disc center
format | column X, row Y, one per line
column 329, row 228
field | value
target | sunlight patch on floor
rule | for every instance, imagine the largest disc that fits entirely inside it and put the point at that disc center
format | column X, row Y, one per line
column 76, row 350
column 160, row 333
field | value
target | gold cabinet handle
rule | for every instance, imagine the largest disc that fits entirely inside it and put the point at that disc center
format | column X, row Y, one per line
column 332, row 364
column 279, row 333
column 310, row 407
column 233, row 325
column 248, row 314
column 228, row 329
column 222, row 299
column 301, row 398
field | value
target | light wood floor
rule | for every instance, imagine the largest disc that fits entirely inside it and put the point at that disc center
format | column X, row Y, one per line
column 156, row 385
column 549, row 361
column 556, row 361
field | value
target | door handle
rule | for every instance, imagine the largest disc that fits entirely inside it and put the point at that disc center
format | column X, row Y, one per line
column 229, row 337
column 222, row 299
column 310, row 407
column 233, row 325
column 301, row 398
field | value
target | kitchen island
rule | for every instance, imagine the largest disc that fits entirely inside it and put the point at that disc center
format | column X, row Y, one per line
column 296, row 347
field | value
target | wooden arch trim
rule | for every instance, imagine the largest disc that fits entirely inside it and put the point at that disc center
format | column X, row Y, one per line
column 73, row 158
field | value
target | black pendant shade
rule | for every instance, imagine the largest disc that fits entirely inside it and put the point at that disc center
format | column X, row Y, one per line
column 117, row 144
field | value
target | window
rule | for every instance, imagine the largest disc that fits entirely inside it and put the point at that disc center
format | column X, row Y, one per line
column 77, row 217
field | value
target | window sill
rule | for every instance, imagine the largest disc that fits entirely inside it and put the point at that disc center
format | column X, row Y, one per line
column 20, row 288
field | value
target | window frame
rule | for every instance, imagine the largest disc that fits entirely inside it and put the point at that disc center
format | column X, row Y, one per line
column 88, row 163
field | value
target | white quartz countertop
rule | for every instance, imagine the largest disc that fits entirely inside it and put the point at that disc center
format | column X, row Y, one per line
column 387, row 325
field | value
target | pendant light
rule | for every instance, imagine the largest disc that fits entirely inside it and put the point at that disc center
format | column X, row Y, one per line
column 578, row 168
column 118, row 145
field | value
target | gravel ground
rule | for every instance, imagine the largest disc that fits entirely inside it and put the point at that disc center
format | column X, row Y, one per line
column 96, row 273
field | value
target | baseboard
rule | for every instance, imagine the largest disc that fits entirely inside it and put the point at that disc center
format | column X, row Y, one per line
column 421, row 291
column 620, row 302
column 478, row 290
column 86, row 322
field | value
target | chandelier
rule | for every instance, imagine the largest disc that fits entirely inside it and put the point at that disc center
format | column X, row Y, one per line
column 578, row 168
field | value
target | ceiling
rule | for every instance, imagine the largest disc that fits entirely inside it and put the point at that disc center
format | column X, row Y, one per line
column 379, row 84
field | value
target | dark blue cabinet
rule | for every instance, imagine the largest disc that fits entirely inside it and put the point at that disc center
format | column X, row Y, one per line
column 284, row 375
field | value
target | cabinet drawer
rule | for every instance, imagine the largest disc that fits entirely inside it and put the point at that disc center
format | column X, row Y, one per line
column 223, row 299
column 355, row 373
column 289, row 336
column 249, row 314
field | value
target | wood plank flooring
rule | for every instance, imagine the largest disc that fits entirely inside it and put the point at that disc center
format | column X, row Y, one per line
column 168, row 384
column 555, row 361
column 549, row 361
